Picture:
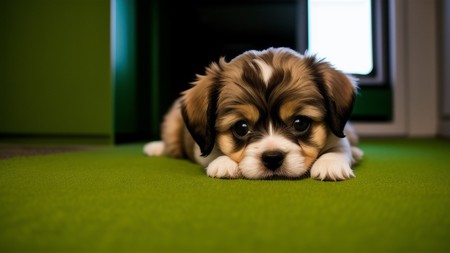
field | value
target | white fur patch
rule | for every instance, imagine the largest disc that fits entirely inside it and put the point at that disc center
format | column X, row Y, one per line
column 266, row 70
column 252, row 166
column 223, row 167
column 357, row 155
column 154, row 148
column 332, row 166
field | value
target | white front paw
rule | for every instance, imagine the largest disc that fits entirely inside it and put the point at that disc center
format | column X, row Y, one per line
column 357, row 155
column 154, row 148
column 331, row 168
column 223, row 167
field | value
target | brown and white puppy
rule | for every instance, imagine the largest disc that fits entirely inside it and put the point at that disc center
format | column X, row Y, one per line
column 265, row 114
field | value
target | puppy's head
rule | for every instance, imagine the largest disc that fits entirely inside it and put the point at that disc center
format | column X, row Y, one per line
column 270, row 111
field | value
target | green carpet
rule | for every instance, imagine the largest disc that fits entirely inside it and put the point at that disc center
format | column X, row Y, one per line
column 115, row 199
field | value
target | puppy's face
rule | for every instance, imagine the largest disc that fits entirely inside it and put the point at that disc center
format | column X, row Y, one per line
column 272, row 112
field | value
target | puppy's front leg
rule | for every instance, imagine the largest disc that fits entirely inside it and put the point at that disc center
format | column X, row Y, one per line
column 335, row 164
column 223, row 167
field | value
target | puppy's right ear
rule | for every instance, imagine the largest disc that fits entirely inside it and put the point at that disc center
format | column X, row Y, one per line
column 199, row 108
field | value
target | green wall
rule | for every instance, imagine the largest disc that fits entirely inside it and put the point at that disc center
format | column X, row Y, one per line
column 55, row 77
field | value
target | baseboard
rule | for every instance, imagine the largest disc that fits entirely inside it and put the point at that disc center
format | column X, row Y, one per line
column 56, row 139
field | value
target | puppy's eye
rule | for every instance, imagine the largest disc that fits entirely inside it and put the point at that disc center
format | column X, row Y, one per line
column 241, row 128
column 302, row 124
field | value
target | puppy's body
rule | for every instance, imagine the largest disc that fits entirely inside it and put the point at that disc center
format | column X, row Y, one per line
column 271, row 113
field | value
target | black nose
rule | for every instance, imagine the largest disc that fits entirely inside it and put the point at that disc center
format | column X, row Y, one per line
column 272, row 159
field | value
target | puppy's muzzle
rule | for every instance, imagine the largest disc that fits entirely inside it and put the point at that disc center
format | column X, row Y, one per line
column 272, row 159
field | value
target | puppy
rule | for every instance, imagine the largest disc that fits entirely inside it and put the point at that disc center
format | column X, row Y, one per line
column 265, row 114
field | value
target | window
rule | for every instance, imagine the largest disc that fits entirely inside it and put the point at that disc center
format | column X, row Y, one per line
column 351, row 34
column 341, row 32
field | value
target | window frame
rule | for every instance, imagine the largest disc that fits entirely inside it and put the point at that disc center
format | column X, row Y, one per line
column 412, row 27
column 379, row 77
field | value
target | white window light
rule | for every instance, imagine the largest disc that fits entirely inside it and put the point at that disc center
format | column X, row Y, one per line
column 341, row 32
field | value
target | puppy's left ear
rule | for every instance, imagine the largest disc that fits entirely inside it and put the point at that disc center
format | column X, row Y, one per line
column 340, row 91
column 199, row 108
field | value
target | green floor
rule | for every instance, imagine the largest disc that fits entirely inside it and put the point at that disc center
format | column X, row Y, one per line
column 116, row 199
